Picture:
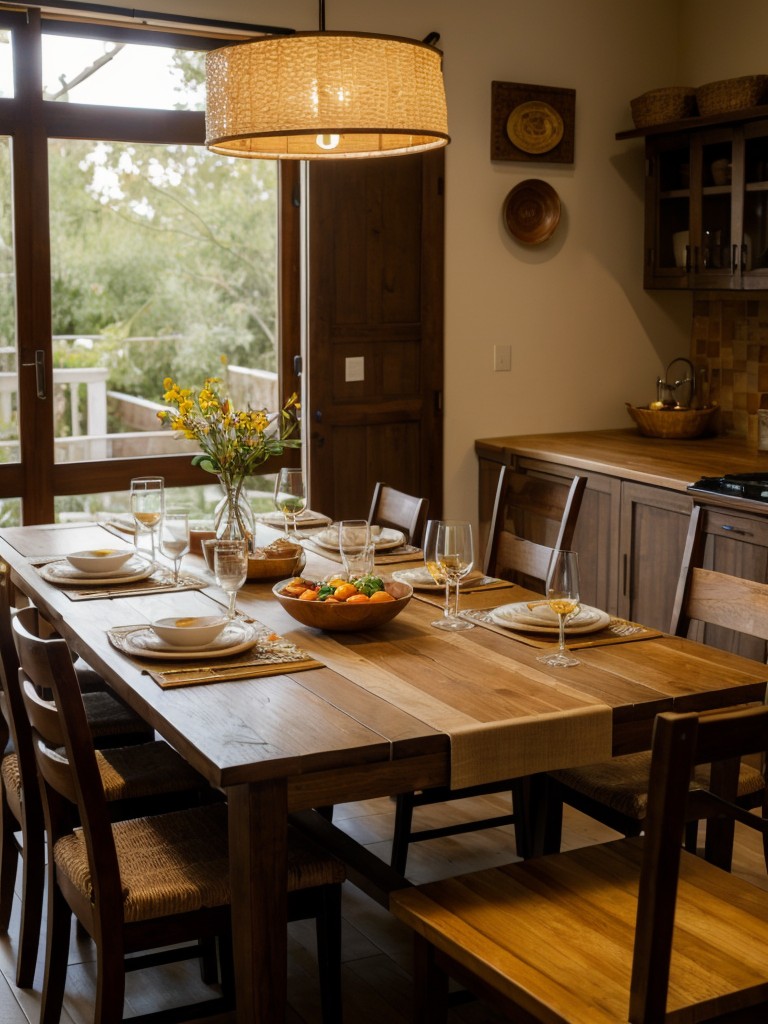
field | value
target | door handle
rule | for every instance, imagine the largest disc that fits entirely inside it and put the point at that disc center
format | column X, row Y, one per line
column 39, row 365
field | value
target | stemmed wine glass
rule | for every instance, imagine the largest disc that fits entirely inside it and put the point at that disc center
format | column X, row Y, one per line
column 449, row 556
column 230, row 566
column 356, row 547
column 562, row 589
column 174, row 539
column 147, row 504
column 290, row 496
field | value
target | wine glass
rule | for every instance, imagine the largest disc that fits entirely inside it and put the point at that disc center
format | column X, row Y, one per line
column 356, row 547
column 449, row 547
column 290, row 496
column 562, row 589
column 174, row 539
column 147, row 504
column 230, row 566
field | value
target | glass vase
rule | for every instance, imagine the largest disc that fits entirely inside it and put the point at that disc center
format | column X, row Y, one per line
column 232, row 517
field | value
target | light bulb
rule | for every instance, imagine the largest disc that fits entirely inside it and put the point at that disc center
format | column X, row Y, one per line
column 327, row 141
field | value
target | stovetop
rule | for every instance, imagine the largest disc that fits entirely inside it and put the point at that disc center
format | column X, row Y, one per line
column 749, row 486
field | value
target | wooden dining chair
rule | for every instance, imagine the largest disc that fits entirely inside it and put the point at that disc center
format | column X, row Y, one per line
column 147, row 882
column 141, row 775
column 399, row 511
column 635, row 930
column 506, row 555
column 615, row 792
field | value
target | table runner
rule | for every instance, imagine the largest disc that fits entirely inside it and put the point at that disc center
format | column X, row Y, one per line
column 271, row 655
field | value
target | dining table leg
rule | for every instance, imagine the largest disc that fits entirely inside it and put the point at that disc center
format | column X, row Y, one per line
column 258, row 847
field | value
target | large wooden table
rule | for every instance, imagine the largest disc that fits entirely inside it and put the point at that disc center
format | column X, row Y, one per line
column 289, row 743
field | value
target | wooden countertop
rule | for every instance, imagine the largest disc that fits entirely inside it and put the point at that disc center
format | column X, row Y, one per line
column 630, row 456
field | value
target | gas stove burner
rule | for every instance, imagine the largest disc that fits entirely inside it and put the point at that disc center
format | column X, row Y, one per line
column 749, row 486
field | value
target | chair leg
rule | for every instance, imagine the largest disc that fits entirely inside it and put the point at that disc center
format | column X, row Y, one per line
column 328, row 927
column 430, row 985
column 402, row 832
column 9, row 861
column 209, row 961
column 691, row 836
column 56, row 954
column 33, row 879
column 110, row 978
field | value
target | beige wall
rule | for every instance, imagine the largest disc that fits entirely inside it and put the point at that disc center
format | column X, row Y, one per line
column 585, row 337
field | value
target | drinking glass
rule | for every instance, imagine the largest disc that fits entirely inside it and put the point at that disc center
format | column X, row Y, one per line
column 174, row 539
column 147, row 504
column 562, row 590
column 290, row 496
column 356, row 547
column 230, row 566
column 449, row 556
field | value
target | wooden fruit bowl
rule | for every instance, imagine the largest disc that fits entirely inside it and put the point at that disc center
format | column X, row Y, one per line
column 673, row 423
column 345, row 617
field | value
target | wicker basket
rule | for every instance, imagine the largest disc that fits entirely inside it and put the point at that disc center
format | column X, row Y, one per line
column 731, row 94
column 662, row 105
column 673, row 423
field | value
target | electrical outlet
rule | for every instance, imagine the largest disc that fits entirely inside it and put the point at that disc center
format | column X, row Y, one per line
column 502, row 357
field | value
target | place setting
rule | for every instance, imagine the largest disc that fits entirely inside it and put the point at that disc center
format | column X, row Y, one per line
column 384, row 544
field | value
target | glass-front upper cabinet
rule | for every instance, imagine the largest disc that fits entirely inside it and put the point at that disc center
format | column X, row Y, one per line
column 706, row 218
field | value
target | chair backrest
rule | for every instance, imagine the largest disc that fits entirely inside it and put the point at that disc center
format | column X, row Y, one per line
column 681, row 741
column 66, row 759
column 512, row 557
column 715, row 597
column 399, row 511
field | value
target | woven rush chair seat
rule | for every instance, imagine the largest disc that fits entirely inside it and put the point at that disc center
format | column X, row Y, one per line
column 111, row 721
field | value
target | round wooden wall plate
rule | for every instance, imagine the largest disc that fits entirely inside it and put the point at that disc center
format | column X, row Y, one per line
column 532, row 211
column 535, row 127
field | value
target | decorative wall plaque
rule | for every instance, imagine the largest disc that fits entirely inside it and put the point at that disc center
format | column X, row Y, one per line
column 532, row 122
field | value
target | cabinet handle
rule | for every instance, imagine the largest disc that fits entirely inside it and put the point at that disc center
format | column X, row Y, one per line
column 625, row 565
column 735, row 529
column 735, row 262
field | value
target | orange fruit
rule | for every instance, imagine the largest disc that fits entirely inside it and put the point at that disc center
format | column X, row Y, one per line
column 330, row 600
column 380, row 597
column 358, row 599
column 308, row 595
column 345, row 591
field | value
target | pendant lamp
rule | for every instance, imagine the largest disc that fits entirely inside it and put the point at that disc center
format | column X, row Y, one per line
column 325, row 95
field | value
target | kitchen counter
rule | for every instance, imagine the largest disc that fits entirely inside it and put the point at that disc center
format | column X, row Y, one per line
column 627, row 454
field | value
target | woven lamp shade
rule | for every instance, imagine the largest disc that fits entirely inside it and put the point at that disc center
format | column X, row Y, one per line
column 359, row 95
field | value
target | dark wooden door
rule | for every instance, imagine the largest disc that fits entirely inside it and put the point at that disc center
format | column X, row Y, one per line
column 375, row 331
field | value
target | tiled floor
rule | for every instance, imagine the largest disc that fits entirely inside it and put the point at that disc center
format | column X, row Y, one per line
column 376, row 948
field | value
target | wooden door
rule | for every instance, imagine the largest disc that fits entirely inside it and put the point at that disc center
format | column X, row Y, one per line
column 374, row 331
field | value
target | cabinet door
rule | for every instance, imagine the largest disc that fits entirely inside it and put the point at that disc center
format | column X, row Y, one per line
column 753, row 255
column 668, row 245
column 735, row 544
column 716, row 190
column 654, row 525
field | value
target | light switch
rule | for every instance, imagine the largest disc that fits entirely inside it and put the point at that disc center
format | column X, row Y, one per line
column 354, row 368
column 502, row 357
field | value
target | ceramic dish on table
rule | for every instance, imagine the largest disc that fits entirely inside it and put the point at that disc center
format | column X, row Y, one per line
column 197, row 631
column 342, row 616
column 384, row 540
column 100, row 561
column 535, row 617
column 135, row 569
column 420, row 578
column 304, row 520
column 143, row 642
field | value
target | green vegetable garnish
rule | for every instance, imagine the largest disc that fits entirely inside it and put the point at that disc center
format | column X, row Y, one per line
column 369, row 584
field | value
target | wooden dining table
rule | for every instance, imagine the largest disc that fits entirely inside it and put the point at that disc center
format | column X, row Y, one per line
column 384, row 712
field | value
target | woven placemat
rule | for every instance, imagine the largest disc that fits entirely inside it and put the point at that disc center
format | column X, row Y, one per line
column 161, row 581
column 271, row 655
column 618, row 631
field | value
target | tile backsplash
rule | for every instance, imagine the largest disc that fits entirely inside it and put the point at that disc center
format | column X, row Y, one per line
column 729, row 341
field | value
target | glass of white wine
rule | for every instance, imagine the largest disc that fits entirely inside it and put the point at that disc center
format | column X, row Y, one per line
column 148, row 504
column 562, row 590
column 174, row 538
column 290, row 496
column 449, row 556
column 230, row 566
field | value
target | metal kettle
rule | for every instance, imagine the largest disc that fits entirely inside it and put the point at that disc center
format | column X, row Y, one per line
column 677, row 392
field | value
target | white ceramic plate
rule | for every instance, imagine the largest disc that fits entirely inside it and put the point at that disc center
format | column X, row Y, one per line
column 235, row 638
column 542, row 619
column 421, row 579
column 62, row 572
column 329, row 539
column 305, row 518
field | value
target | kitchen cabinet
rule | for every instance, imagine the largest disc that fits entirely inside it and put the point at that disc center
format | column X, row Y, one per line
column 706, row 203
column 634, row 517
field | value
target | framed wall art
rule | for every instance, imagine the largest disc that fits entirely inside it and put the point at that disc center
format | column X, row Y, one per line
column 532, row 123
